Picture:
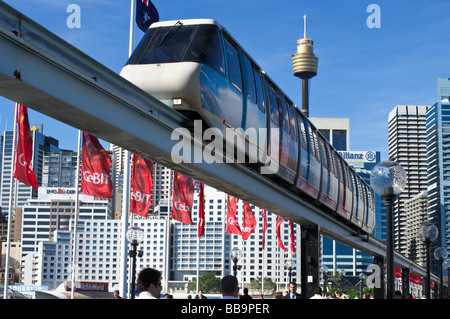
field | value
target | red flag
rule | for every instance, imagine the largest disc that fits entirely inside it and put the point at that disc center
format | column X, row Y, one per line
column 141, row 186
column 291, row 235
column 183, row 198
column 95, row 169
column 249, row 223
column 23, row 169
column 280, row 242
column 201, row 210
column 264, row 228
column 232, row 223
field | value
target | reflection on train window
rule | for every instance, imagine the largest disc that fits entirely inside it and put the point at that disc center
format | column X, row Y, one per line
column 180, row 43
column 249, row 79
column 273, row 105
column 234, row 69
column 259, row 90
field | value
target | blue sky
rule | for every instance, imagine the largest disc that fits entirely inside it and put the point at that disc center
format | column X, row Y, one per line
column 363, row 72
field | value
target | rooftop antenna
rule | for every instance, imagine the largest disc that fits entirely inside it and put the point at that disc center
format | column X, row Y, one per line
column 304, row 26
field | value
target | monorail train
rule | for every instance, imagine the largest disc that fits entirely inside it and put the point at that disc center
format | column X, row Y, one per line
column 196, row 67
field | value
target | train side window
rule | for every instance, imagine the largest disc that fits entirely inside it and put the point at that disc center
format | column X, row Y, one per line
column 303, row 132
column 324, row 152
column 292, row 126
column 259, row 90
column 284, row 113
column 249, row 79
column 234, row 68
column 273, row 105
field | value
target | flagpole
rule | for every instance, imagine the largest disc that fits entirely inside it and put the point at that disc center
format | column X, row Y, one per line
column 11, row 191
column 77, row 207
column 263, row 255
column 125, row 187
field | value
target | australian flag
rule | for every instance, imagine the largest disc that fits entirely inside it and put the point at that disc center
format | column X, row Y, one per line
column 146, row 14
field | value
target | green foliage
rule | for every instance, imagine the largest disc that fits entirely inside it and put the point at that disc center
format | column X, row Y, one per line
column 208, row 283
column 269, row 285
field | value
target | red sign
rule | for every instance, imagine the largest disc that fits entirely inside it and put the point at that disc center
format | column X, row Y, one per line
column 232, row 223
column 23, row 169
column 292, row 237
column 141, row 186
column 249, row 224
column 95, row 179
column 280, row 241
column 183, row 198
column 201, row 210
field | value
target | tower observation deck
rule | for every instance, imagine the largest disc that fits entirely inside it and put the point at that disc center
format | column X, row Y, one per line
column 305, row 64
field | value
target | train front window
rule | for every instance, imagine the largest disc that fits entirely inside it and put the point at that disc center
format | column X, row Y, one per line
column 181, row 43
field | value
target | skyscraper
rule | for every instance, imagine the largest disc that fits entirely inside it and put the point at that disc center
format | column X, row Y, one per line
column 408, row 147
column 22, row 192
column 438, row 155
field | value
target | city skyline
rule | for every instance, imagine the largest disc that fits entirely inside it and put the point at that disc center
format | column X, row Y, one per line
column 361, row 69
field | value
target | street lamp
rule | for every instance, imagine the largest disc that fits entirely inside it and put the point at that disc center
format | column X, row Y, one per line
column 446, row 265
column 134, row 235
column 341, row 273
column 440, row 254
column 428, row 233
column 361, row 278
column 324, row 272
column 235, row 255
column 290, row 264
column 388, row 179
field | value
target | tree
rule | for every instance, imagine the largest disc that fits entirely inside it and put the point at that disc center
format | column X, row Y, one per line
column 208, row 283
column 269, row 285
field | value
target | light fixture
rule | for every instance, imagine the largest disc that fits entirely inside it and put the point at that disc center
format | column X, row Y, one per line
column 428, row 232
column 388, row 179
column 134, row 235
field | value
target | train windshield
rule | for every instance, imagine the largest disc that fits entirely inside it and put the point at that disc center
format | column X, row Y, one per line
column 181, row 43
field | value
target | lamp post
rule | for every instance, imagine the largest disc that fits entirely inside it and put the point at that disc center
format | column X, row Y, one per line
column 428, row 233
column 324, row 272
column 341, row 273
column 440, row 254
column 388, row 179
column 446, row 265
column 290, row 264
column 361, row 278
column 134, row 235
column 235, row 255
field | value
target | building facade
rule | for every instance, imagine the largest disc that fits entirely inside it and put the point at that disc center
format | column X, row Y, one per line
column 438, row 155
column 408, row 147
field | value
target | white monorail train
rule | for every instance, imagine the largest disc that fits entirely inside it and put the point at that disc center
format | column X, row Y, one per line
column 196, row 67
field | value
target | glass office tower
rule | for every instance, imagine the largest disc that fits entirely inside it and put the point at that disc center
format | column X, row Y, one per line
column 438, row 154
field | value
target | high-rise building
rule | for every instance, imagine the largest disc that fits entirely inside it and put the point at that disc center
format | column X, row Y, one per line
column 408, row 147
column 416, row 211
column 59, row 169
column 438, row 154
column 335, row 130
column 334, row 254
column 22, row 192
column 168, row 245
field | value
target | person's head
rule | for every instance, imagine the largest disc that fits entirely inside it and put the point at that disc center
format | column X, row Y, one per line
column 318, row 291
column 292, row 287
column 200, row 293
column 229, row 286
column 246, row 290
column 116, row 294
column 149, row 279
